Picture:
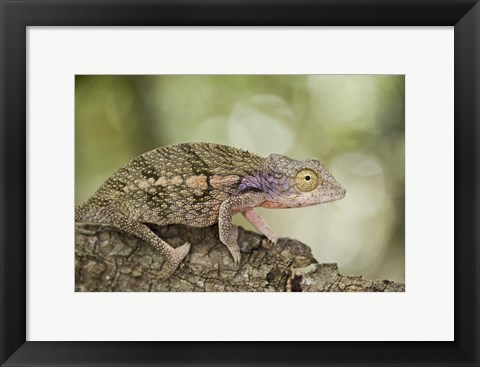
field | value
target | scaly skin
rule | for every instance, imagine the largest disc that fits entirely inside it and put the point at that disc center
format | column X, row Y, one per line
column 199, row 184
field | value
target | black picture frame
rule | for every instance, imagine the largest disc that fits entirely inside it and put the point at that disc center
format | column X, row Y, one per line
column 19, row 14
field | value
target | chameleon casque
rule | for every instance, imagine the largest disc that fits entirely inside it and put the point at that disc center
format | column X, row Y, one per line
column 199, row 184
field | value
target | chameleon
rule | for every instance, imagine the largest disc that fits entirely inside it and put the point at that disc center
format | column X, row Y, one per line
column 200, row 184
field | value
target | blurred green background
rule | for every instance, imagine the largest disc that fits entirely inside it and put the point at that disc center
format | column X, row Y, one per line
column 354, row 124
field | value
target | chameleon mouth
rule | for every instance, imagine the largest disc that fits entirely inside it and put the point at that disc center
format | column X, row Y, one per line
column 334, row 195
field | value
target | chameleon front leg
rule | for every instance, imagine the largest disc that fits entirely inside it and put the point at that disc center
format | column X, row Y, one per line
column 259, row 223
column 112, row 216
column 229, row 232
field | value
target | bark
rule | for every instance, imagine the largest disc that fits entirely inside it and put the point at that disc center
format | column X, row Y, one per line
column 107, row 260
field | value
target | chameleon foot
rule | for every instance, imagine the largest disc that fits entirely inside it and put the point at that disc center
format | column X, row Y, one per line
column 173, row 259
column 273, row 240
column 235, row 252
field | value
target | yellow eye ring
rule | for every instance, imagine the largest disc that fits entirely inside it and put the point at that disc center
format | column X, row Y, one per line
column 307, row 180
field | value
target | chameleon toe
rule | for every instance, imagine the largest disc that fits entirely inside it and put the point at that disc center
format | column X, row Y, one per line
column 173, row 260
column 182, row 251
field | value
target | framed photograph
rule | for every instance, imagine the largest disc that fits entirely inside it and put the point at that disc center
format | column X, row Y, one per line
column 133, row 132
column 203, row 141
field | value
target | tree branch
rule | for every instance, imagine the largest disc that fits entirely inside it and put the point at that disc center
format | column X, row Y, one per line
column 108, row 260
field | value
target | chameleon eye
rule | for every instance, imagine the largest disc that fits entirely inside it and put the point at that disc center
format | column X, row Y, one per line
column 307, row 180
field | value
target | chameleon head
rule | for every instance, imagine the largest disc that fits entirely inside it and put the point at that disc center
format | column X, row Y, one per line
column 289, row 183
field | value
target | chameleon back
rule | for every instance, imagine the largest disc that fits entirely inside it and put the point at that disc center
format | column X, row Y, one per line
column 184, row 183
